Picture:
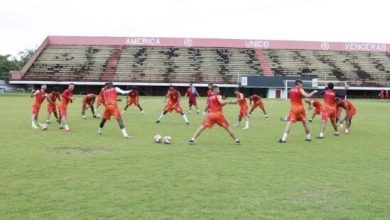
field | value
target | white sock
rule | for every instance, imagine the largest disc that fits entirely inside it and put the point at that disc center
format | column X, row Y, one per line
column 284, row 137
column 247, row 123
column 100, row 131
column 66, row 127
column 185, row 118
column 142, row 112
column 160, row 117
column 308, row 136
column 124, row 132
column 321, row 134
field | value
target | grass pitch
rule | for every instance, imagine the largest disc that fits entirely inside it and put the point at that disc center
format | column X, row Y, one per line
column 80, row 175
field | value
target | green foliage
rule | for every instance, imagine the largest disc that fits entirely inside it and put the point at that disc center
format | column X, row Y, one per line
column 8, row 63
column 80, row 175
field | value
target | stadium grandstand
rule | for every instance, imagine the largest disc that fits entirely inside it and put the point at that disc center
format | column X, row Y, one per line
column 160, row 61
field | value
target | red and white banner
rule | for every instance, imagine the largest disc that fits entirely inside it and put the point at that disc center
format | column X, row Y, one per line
column 234, row 43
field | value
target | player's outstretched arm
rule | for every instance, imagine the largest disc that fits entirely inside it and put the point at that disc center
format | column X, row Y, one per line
column 308, row 95
column 123, row 92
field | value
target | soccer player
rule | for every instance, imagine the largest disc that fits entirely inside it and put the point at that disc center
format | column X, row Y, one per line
column 66, row 97
column 209, row 93
column 100, row 100
column 257, row 103
column 243, row 109
column 88, row 101
column 192, row 94
column 350, row 111
column 215, row 116
column 133, row 99
column 110, row 94
column 297, row 111
column 329, row 112
column 317, row 105
column 52, row 104
column 173, row 104
column 384, row 94
column 40, row 96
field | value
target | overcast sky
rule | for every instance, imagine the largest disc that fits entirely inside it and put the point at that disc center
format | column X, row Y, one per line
column 26, row 23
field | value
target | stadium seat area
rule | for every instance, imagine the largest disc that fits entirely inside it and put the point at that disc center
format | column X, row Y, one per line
column 218, row 65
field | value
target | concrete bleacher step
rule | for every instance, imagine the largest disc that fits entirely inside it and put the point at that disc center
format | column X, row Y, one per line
column 112, row 64
column 264, row 65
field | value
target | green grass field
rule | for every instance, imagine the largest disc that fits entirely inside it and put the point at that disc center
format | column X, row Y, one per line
column 80, row 175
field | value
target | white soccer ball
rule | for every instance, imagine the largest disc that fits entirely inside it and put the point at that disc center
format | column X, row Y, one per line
column 167, row 140
column 157, row 138
column 44, row 127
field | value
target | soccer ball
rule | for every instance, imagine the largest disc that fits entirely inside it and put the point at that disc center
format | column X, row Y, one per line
column 44, row 127
column 158, row 138
column 167, row 140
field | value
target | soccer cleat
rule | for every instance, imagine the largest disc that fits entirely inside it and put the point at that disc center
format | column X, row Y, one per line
column 237, row 142
column 189, row 112
column 123, row 112
column 48, row 121
column 187, row 123
column 245, row 128
column 84, row 117
column 336, row 134
column 237, row 125
column 34, row 126
column 191, row 142
column 308, row 139
column 341, row 125
column 310, row 120
column 197, row 112
column 282, row 141
column 266, row 116
column 126, row 136
column 319, row 137
column 346, row 131
column 158, row 121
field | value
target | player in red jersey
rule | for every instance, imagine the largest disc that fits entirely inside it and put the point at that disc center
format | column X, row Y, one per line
column 133, row 99
column 52, row 104
column 384, row 94
column 241, row 101
column 40, row 96
column 350, row 111
column 297, row 111
column 110, row 94
column 215, row 116
column 66, row 97
column 192, row 94
column 88, row 102
column 209, row 93
column 329, row 112
column 317, row 105
column 173, row 104
column 256, row 102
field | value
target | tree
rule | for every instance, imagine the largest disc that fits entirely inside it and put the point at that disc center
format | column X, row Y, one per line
column 8, row 62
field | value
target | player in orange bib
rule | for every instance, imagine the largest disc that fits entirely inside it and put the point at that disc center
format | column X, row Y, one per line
column 66, row 97
column 317, row 105
column 329, row 112
column 100, row 100
column 133, row 99
column 243, row 108
column 209, row 93
column 297, row 111
column 215, row 116
column 88, row 102
column 256, row 102
column 350, row 111
column 52, row 104
column 173, row 104
column 40, row 96
column 111, row 108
